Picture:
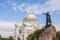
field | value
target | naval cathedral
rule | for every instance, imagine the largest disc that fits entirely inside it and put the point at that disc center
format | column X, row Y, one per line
column 28, row 26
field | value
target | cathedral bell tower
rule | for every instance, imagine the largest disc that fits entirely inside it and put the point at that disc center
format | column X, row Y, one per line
column 16, row 36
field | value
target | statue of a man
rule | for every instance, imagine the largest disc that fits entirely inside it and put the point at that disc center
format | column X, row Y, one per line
column 48, row 19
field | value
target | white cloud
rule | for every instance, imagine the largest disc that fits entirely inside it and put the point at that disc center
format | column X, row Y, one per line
column 21, row 7
column 58, row 26
column 6, row 34
column 52, row 5
column 14, row 8
column 7, row 28
column 14, row 5
column 6, row 24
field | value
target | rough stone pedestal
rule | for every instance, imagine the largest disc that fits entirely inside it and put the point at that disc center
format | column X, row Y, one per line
column 48, row 34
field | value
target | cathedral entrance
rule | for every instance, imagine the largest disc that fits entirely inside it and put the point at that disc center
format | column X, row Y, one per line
column 18, row 38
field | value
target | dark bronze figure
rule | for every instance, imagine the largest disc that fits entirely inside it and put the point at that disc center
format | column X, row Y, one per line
column 48, row 19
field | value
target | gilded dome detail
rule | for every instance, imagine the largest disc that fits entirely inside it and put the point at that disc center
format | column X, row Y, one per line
column 30, row 16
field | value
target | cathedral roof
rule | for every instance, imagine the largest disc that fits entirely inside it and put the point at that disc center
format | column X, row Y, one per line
column 30, row 16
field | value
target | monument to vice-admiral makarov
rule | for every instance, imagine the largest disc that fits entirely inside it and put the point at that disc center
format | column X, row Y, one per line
column 49, row 32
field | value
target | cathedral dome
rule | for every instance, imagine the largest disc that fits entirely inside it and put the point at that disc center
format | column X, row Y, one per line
column 30, row 18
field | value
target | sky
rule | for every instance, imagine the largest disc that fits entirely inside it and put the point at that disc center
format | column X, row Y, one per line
column 12, row 11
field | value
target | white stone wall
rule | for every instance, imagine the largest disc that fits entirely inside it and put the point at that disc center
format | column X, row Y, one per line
column 25, row 30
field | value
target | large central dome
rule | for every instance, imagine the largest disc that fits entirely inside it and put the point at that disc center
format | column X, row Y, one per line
column 30, row 18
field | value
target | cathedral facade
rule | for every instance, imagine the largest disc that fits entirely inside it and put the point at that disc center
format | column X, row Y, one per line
column 28, row 26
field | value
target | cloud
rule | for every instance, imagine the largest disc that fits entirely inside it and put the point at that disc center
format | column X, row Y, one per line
column 6, row 34
column 51, row 6
column 7, row 28
column 58, row 26
column 2, row 5
column 6, row 24
column 14, row 6
column 21, row 7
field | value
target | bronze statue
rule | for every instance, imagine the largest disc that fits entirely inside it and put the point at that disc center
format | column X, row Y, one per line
column 48, row 19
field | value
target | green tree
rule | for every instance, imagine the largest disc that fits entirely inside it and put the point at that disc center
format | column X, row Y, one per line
column 34, row 35
column 0, row 37
column 4, row 39
column 58, row 36
column 10, row 38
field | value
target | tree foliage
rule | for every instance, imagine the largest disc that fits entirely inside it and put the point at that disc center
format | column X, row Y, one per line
column 58, row 36
column 0, row 37
column 9, row 38
column 34, row 36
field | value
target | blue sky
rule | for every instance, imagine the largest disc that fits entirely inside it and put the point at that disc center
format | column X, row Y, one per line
column 12, row 11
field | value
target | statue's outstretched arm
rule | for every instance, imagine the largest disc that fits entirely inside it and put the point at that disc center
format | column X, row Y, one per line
column 44, row 13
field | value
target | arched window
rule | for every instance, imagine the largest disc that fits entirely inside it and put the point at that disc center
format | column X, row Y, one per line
column 19, row 31
column 22, row 38
column 53, row 38
column 18, row 38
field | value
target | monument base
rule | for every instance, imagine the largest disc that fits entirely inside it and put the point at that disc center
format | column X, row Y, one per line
column 48, row 33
